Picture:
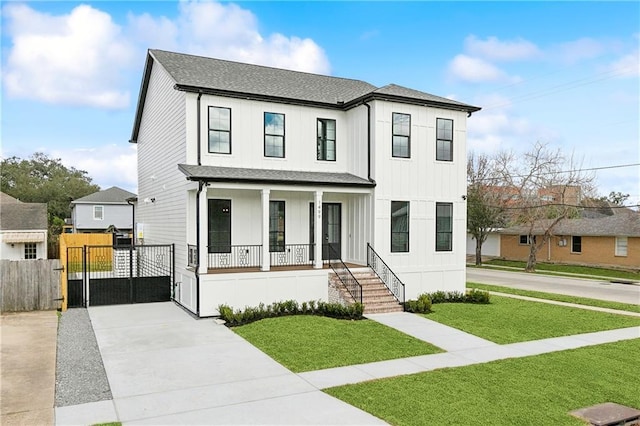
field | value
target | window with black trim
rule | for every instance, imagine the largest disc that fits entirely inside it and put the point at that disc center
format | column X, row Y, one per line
column 326, row 139
column 276, row 226
column 219, row 226
column 401, row 138
column 273, row 135
column 219, row 130
column 444, row 226
column 30, row 251
column 576, row 244
column 399, row 226
column 444, row 139
column 525, row 240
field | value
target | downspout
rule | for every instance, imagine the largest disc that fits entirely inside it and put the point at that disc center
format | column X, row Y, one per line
column 197, row 269
column 368, row 140
column 198, row 130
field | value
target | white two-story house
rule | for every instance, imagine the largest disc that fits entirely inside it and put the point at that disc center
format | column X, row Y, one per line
column 246, row 169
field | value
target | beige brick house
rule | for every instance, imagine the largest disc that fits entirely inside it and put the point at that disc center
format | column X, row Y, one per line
column 606, row 241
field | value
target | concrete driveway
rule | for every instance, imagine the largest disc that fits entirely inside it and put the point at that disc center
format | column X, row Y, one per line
column 28, row 371
column 164, row 367
column 594, row 289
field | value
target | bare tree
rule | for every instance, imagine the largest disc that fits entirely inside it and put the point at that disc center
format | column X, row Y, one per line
column 485, row 204
column 546, row 188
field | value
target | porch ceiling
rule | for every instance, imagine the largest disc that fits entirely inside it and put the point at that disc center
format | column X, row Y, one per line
column 288, row 177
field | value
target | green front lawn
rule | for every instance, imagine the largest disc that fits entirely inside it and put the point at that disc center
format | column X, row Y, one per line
column 557, row 297
column 306, row 343
column 538, row 390
column 568, row 269
column 508, row 320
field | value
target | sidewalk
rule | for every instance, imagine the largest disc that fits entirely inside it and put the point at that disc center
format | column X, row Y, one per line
column 462, row 349
column 28, row 367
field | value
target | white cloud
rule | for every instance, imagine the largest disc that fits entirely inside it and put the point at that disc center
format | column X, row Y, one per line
column 74, row 59
column 498, row 50
column 120, row 170
column 578, row 50
column 227, row 31
column 475, row 70
column 627, row 66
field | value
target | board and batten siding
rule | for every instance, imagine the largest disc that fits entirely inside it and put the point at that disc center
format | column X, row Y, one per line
column 423, row 182
column 162, row 188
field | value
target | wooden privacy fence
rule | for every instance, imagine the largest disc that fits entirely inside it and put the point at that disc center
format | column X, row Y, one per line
column 29, row 285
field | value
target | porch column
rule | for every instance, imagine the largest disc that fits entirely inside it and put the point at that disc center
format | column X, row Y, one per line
column 203, row 250
column 317, row 231
column 266, row 258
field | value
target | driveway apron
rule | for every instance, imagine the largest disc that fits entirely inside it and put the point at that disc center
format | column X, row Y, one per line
column 164, row 367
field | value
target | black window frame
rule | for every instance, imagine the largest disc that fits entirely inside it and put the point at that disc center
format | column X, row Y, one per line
column 442, row 139
column 321, row 146
column 440, row 232
column 219, row 240
column 395, row 134
column 30, row 251
column 523, row 240
column 276, row 245
column 274, row 135
column 219, row 130
column 576, row 244
column 395, row 233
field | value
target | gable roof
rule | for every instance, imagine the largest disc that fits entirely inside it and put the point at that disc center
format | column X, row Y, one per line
column 23, row 216
column 113, row 195
column 625, row 223
column 6, row 199
column 235, row 79
column 236, row 174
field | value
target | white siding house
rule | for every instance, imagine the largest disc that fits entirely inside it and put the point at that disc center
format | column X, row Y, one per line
column 112, row 207
column 23, row 229
column 244, row 168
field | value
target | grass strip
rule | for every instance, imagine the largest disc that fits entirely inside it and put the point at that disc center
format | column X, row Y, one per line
column 557, row 297
column 568, row 269
column 537, row 390
column 306, row 343
column 506, row 320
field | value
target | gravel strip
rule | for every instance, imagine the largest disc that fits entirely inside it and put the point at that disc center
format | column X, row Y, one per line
column 80, row 375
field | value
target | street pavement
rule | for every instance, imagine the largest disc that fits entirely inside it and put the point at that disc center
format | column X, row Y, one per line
column 593, row 289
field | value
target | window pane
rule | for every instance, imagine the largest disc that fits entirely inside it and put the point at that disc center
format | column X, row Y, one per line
column 576, row 244
column 400, row 146
column 444, row 150
column 219, row 142
column 621, row 246
column 326, row 139
column 274, row 124
column 399, row 226
column 444, row 226
column 276, row 226
column 401, row 124
column 274, row 146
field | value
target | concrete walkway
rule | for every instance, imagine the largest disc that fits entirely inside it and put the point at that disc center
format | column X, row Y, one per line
column 462, row 349
column 164, row 367
column 28, row 373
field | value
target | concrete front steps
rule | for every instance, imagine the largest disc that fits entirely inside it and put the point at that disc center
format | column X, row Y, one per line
column 376, row 298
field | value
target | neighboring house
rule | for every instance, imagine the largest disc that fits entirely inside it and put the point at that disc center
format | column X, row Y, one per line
column 244, row 168
column 490, row 247
column 103, row 210
column 604, row 241
column 23, row 229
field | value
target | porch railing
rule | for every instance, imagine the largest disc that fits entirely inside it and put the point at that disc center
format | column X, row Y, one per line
column 344, row 274
column 388, row 277
column 292, row 255
column 234, row 256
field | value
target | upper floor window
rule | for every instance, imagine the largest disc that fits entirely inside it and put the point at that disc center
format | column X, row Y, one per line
column 399, row 226
column 576, row 244
column 401, row 142
column 30, row 251
column 276, row 226
column 326, row 139
column 444, row 226
column 98, row 212
column 219, row 226
column 273, row 135
column 219, row 130
column 444, row 139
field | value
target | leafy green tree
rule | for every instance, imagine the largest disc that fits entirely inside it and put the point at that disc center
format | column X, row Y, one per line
column 616, row 197
column 41, row 179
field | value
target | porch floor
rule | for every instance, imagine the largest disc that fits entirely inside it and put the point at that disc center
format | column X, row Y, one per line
column 276, row 268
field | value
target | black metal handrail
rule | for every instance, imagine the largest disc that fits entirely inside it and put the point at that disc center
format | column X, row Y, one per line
column 291, row 255
column 344, row 274
column 386, row 275
column 223, row 256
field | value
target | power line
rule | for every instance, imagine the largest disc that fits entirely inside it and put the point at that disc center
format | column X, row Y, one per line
column 617, row 166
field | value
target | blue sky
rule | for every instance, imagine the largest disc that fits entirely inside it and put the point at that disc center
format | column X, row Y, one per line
column 564, row 73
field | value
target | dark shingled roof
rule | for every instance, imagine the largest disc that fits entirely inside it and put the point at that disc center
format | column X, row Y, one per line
column 625, row 223
column 23, row 216
column 113, row 195
column 233, row 174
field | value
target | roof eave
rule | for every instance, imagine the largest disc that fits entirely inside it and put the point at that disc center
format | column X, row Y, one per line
column 407, row 100
column 142, row 96
column 208, row 179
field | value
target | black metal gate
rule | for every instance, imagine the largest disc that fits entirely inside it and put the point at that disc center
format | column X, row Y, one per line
column 75, row 273
column 114, row 275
